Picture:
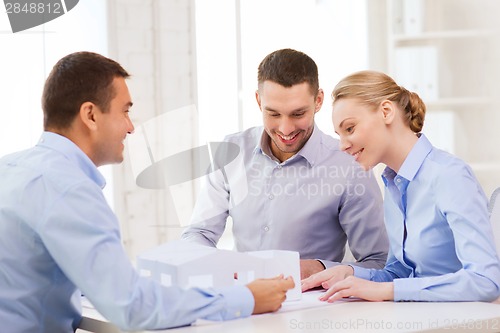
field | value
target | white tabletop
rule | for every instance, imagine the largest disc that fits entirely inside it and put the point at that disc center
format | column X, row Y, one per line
column 345, row 316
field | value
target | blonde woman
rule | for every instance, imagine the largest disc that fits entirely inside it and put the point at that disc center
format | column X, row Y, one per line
column 441, row 243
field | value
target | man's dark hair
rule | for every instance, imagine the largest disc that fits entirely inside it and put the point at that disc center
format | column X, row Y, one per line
column 289, row 67
column 75, row 79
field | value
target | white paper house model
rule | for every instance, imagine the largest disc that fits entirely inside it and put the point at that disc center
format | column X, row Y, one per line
column 186, row 264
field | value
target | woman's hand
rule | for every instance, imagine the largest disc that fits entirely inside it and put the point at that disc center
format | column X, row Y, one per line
column 360, row 288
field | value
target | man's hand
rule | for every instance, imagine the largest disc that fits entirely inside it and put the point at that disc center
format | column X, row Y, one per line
column 327, row 277
column 269, row 294
column 309, row 267
column 360, row 288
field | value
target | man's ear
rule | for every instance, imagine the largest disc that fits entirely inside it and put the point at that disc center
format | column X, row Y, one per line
column 257, row 97
column 88, row 115
column 388, row 110
column 320, row 97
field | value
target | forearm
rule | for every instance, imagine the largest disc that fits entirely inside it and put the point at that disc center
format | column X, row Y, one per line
column 363, row 222
column 391, row 271
column 206, row 232
column 372, row 263
column 459, row 286
column 176, row 307
column 377, row 263
column 198, row 236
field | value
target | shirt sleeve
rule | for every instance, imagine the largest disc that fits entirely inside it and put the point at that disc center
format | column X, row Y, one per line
column 462, row 202
column 361, row 217
column 81, row 233
column 393, row 269
column 211, row 210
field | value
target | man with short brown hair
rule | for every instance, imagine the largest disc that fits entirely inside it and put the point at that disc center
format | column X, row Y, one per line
column 296, row 190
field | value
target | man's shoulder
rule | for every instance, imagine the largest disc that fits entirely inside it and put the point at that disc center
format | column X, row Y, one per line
column 42, row 164
column 328, row 141
column 330, row 154
column 252, row 133
column 330, row 148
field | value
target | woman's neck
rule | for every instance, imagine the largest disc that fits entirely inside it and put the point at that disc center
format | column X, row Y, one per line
column 402, row 145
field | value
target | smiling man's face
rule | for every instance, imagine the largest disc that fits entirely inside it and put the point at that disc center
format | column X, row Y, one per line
column 288, row 115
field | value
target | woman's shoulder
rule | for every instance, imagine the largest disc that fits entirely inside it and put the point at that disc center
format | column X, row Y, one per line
column 442, row 159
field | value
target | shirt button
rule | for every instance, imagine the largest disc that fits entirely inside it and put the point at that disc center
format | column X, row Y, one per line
column 398, row 180
column 279, row 166
column 271, row 197
column 266, row 228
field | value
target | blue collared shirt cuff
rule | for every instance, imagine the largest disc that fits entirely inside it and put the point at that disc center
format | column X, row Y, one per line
column 409, row 290
column 361, row 272
column 326, row 264
column 406, row 290
column 239, row 302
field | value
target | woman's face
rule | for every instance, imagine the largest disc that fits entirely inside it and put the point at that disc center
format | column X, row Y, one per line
column 362, row 130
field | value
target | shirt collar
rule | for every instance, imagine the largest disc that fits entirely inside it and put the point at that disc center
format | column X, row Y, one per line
column 413, row 161
column 308, row 152
column 73, row 153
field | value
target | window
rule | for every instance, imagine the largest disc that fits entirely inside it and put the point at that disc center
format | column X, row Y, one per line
column 234, row 36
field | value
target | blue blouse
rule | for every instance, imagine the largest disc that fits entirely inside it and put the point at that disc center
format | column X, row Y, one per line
column 441, row 240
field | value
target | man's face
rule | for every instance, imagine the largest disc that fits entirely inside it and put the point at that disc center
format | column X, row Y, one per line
column 113, row 126
column 288, row 115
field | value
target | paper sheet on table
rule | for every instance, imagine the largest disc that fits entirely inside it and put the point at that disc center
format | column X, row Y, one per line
column 310, row 299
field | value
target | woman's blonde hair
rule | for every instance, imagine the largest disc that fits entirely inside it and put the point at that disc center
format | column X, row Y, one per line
column 372, row 88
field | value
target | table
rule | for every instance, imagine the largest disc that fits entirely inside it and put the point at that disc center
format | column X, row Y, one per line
column 345, row 316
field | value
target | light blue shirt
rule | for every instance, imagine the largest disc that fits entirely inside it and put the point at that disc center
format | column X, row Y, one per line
column 311, row 203
column 57, row 234
column 448, row 253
